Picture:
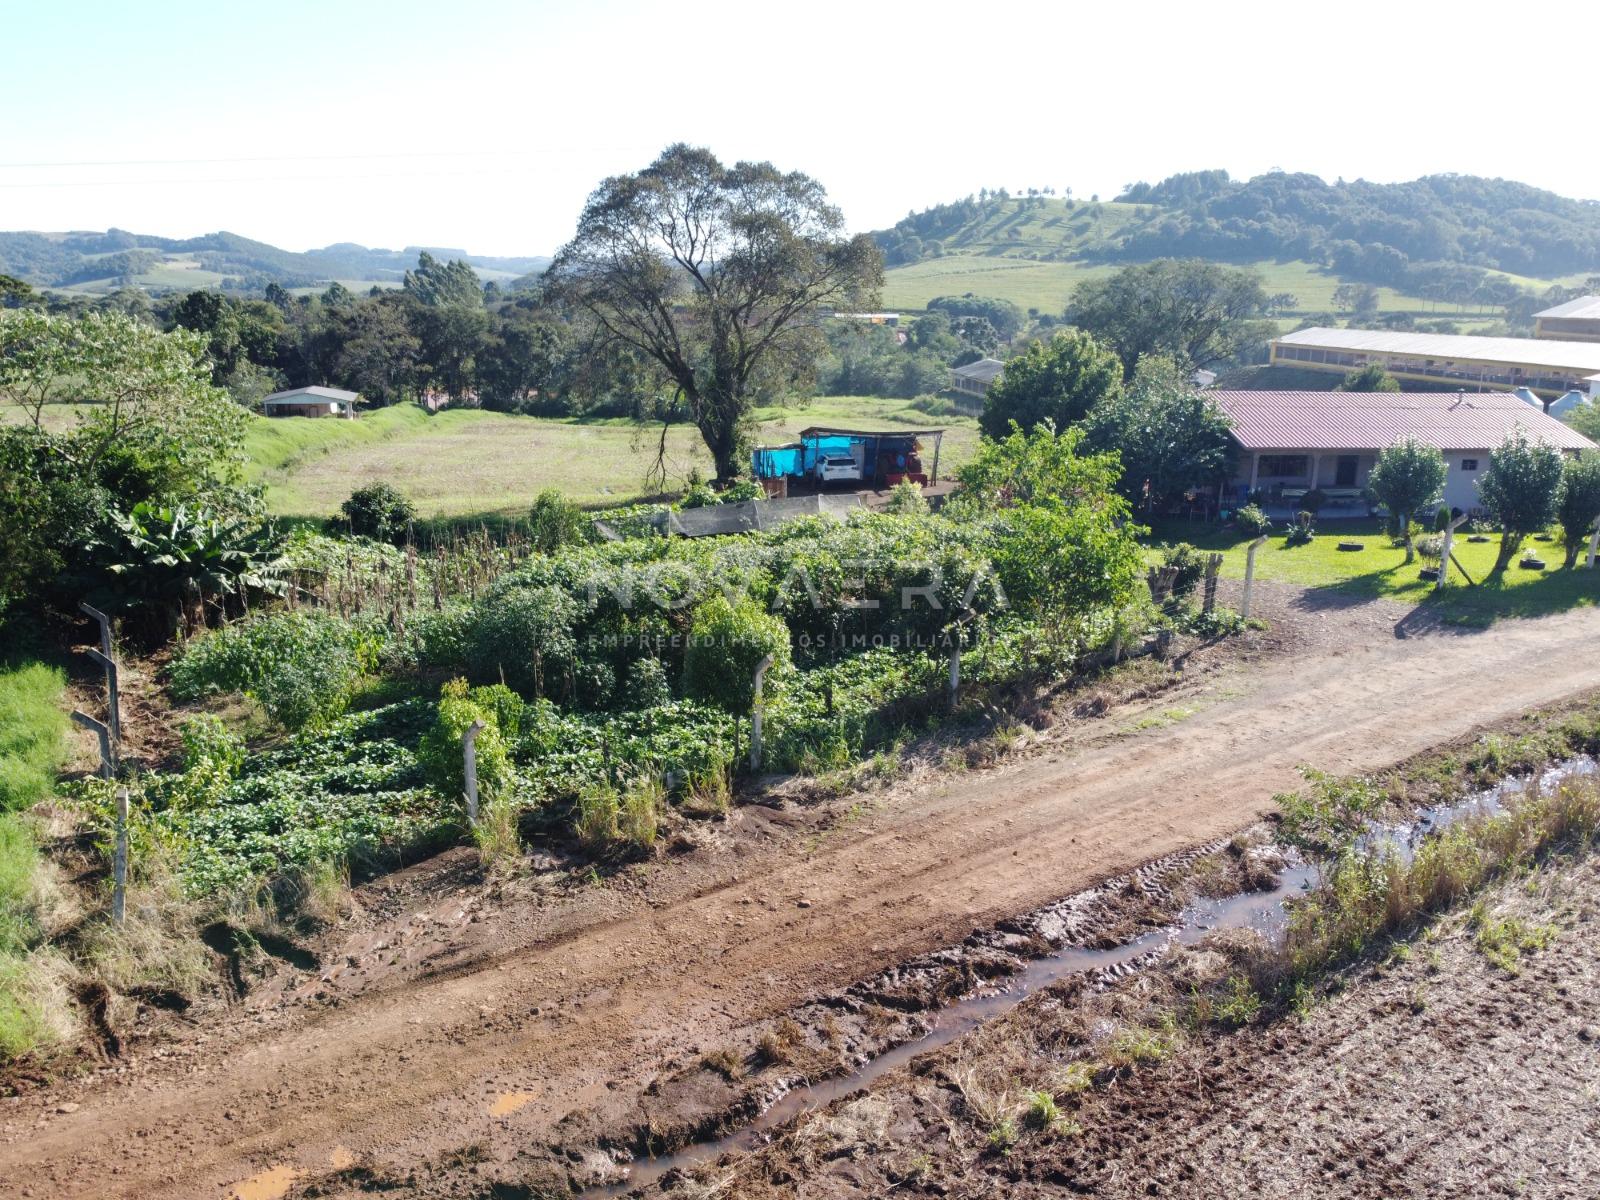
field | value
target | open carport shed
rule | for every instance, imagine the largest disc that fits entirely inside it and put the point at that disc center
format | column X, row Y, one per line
column 888, row 455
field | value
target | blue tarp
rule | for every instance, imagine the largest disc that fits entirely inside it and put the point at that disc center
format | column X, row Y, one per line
column 773, row 462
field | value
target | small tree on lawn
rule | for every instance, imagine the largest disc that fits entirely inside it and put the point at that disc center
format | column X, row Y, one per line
column 1520, row 489
column 1579, row 503
column 1407, row 478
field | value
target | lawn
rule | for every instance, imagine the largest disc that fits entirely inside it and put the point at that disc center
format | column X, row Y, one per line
column 1379, row 571
column 468, row 461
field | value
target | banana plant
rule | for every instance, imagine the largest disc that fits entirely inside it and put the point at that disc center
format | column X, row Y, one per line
column 176, row 559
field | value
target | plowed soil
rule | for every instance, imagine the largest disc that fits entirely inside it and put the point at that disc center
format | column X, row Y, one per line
column 458, row 1024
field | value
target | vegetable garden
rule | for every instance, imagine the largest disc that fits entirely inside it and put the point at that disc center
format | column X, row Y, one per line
column 613, row 679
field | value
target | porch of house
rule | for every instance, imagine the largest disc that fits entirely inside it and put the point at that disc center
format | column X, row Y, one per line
column 1281, row 478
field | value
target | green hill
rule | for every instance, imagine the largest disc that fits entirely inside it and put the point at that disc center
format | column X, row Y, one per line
column 103, row 262
column 1450, row 246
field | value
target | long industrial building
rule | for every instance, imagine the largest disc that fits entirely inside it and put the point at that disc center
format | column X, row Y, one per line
column 1575, row 321
column 1498, row 364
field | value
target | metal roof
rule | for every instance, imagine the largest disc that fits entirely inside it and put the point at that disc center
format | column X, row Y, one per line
column 985, row 370
column 320, row 393
column 1375, row 420
column 1583, row 308
column 1582, row 357
column 821, row 431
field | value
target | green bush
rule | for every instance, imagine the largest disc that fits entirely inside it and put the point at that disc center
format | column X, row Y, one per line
column 504, row 705
column 1190, row 565
column 699, row 495
column 556, row 522
column 302, row 667
column 1252, row 520
column 526, row 636
column 727, row 641
column 906, row 499
column 379, row 511
column 440, row 751
column 32, row 733
column 208, row 742
column 647, row 685
column 743, row 489
column 1442, row 519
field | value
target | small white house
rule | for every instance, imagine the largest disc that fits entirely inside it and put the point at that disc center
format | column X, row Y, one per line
column 1291, row 442
column 312, row 402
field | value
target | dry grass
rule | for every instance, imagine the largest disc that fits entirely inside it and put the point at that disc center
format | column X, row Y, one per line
column 495, row 834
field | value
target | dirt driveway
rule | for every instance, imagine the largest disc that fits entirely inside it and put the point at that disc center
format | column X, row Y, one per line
column 465, row 1026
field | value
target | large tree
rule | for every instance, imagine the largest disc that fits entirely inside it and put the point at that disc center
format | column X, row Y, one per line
column 715, row 273
column 1170, row 436
column 1407, row 479
column 1054, row 383
column 1194, row 312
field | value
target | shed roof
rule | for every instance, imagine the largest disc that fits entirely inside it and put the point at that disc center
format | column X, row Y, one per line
column 1581, row 357
column 1375, row 420
column 299, row 395
column 985, row 370
column 1583, row 308
column 822, row 431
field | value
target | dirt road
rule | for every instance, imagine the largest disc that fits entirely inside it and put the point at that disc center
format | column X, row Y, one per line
column 505, row 1026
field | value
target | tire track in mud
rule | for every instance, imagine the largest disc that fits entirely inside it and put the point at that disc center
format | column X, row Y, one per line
column 401, row 1076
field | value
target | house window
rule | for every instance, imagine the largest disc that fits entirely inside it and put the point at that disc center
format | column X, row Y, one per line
column 1284, row 466
column 1469, row 464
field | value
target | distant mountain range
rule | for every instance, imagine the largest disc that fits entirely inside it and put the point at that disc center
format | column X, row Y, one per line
column 103, row 262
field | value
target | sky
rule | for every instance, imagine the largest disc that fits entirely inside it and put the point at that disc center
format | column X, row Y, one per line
column 483, row 124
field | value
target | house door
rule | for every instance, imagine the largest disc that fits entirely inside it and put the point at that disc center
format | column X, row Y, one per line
column 1345, row 473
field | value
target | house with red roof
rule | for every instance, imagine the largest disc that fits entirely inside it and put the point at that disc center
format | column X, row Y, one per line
column 1291, row 442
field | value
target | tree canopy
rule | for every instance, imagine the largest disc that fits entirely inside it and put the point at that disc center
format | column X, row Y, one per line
column 714, row 274
column 1196, row 313
column 1370, row 378
column 1170, row 437
column 1054, row 383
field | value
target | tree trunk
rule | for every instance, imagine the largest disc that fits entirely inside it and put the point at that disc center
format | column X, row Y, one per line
column 1510, row 543
column 1411, row 546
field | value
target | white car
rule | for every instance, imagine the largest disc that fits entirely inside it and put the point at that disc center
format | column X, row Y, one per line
column 837, row 466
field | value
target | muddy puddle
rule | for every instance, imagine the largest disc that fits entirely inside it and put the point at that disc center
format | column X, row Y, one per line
column 1264, row 911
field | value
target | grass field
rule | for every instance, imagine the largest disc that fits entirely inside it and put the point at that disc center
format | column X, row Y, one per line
column 467, row 461
column 1379, row 571
column 1048, row 286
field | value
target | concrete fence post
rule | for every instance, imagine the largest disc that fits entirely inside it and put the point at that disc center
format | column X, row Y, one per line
column 756, row 712
column 99, row 729
column 106, row 657
column 119, row 863
column 1250, row 574
column 469, row 767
